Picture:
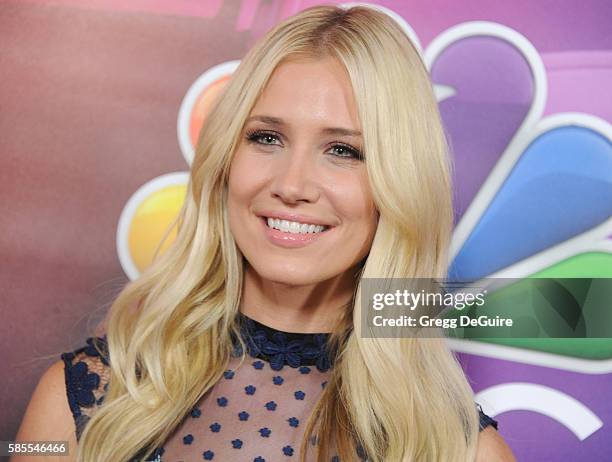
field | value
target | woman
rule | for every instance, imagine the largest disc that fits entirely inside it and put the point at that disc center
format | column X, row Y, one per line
column 323, row 162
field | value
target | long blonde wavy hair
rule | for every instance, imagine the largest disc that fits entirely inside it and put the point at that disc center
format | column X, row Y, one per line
column 169, row 332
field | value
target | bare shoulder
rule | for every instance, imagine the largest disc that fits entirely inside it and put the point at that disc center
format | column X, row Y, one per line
column 492, row 447
column 48, row 416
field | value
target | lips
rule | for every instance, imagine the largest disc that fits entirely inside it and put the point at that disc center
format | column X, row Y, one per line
column 292, row 240
column 300, row 218
column 265, row 222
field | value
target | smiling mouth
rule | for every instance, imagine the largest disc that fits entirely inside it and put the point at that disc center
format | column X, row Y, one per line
column 291, row 228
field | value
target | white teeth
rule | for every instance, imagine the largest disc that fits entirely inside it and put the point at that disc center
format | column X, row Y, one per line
column 294, row 227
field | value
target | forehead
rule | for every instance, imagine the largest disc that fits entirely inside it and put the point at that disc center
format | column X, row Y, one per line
column 310, row 91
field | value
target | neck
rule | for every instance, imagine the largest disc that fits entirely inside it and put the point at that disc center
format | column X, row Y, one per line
column 315, row 308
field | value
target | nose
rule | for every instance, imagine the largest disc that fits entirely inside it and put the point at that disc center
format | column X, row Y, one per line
column 294, row 177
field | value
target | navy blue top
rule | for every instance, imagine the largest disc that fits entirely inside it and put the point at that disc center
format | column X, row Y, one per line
column 254, row 413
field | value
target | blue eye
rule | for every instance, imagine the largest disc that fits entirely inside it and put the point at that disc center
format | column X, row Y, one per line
column 256, row 136
column 353, row 153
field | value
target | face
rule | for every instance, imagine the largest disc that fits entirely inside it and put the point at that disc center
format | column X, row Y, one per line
column 295, row 171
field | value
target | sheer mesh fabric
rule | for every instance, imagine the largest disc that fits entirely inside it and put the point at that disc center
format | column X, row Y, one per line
column 253, row 413
column 256, row 412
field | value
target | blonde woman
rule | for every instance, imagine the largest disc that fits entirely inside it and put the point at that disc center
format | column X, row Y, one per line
column 323, row 162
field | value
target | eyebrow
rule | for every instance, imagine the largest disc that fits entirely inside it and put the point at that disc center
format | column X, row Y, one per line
column 328, row 130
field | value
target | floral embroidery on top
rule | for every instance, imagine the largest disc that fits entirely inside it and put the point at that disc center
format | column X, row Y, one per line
column 101, row 344
column 87, row 372
column 83, row 370
column 83, row 383
column 281, row 348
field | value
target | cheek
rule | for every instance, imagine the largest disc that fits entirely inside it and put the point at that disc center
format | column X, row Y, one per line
column 242, row 181
column 359, row 209
column 353, row 200
column 238, row 197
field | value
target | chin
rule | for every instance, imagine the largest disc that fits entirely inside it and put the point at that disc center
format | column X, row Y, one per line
column 289, row 274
